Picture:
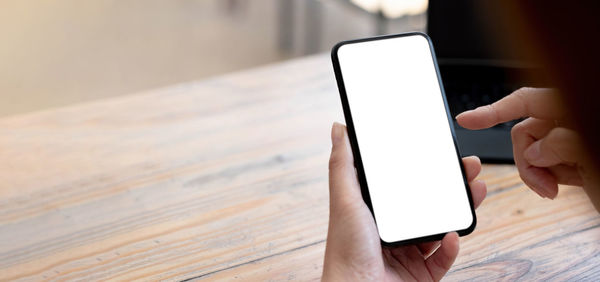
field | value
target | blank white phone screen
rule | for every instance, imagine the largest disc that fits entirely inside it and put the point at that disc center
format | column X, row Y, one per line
column 409, row 158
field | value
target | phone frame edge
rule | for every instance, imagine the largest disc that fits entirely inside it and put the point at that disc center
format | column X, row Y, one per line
column 354, row 141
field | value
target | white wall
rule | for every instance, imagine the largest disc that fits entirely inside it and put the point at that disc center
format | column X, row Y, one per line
column 60, row 52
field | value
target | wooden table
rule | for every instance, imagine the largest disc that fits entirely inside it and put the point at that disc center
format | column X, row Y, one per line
column 226, row 178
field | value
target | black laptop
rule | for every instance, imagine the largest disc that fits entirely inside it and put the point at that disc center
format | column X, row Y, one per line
column 477, row 69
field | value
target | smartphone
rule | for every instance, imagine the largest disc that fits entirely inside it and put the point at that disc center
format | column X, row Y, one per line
column 402, row 137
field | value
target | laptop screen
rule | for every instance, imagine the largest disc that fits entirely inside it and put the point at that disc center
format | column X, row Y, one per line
column 469, row 32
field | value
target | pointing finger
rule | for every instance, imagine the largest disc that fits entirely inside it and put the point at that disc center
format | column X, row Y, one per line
column 542, row 103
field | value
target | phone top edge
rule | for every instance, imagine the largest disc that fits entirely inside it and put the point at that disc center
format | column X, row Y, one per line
column 378, row 37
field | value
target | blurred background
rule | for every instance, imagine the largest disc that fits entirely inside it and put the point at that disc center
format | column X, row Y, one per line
column 61, row 52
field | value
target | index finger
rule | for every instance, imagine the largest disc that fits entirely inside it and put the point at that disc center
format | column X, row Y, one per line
column 541, row 103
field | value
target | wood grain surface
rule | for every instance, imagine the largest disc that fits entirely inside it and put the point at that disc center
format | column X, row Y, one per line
column 226, row 179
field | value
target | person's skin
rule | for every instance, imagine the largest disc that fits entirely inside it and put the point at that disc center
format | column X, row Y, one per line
column 354, row 251
column 547, row 150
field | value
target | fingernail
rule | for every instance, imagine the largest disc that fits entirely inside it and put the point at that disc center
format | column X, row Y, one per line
column 465, row 112
column 336, row 133
column 532, row 153
column 540, row 191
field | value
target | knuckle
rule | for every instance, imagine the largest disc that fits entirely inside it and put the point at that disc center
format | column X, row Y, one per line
column 521, row 95
column 493, row 109
column 335, row 161
column 518, row 129
column 522, row 91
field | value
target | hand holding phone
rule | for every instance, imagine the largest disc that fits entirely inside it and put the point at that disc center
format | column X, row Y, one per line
column 401, row 137
column 354, row 252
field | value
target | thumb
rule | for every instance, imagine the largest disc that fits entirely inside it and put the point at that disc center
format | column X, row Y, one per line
column 343, row 184
column 353, row 246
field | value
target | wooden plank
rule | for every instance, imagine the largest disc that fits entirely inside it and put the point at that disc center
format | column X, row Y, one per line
column 172, row 183
column 554, row 240
column 522, row 236
column 227, row 178
column 304, row 263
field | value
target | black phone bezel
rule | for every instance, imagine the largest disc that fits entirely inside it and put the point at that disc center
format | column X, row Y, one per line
column 354, row 142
